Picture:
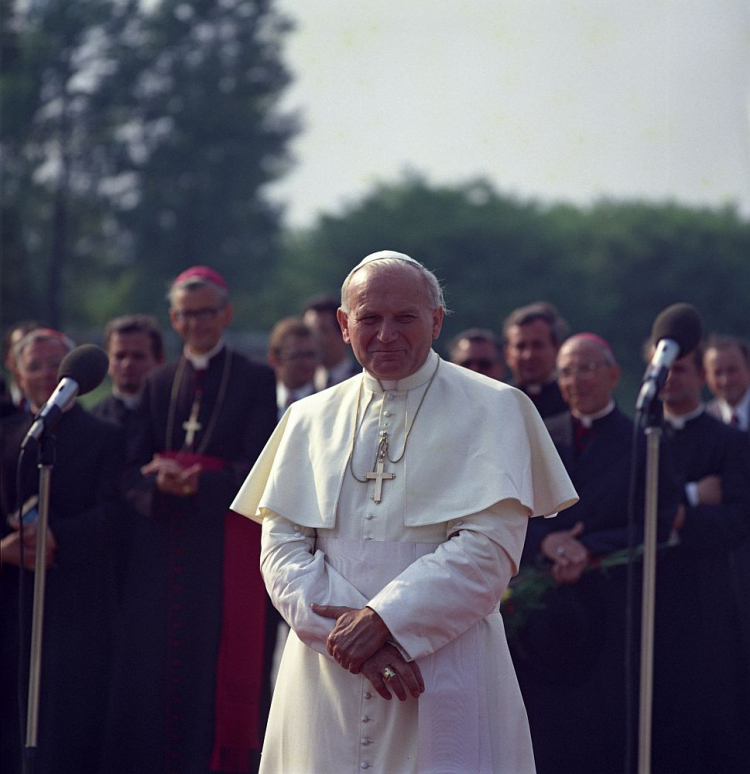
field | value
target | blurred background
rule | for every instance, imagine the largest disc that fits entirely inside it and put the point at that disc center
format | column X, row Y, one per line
column 586, row 152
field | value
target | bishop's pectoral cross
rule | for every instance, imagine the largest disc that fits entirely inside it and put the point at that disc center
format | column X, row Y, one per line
column 378, row 475
column 192, row 426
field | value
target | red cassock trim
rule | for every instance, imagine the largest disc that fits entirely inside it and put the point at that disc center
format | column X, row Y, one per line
column 239, row 667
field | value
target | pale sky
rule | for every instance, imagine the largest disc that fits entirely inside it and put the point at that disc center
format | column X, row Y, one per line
column 549, row 99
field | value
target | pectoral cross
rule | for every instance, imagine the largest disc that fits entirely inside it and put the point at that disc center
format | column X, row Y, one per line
column 192, row 426
column 378, row 475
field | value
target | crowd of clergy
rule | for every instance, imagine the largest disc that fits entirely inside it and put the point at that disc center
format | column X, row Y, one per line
column 155, row 657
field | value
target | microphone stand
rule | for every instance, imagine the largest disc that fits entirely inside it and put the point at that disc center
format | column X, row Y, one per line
column 46, row 457
column 652, row 420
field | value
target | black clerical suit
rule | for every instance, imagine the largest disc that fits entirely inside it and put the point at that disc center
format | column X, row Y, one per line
column 80, row 593
column 113, row 409
column 548, row 401
column 163, row 717
column 702, row 644
column 570, row 663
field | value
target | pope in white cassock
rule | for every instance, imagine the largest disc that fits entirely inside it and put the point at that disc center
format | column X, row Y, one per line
column 394, row 509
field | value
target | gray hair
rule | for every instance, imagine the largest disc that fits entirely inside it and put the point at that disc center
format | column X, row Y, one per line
column 41, row 334
column 390, row 259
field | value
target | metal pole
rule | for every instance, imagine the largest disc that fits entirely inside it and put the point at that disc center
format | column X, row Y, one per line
column 46, row 458
column 653, row 438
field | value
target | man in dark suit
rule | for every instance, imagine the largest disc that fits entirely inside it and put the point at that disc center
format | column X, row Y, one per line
column 337, row 363
column 570, row 658
column 84, row 509
column 531, row 337
column 727, row 364
column 190, row 673
column 703, row 590
column 293, row 353
column 134, row 345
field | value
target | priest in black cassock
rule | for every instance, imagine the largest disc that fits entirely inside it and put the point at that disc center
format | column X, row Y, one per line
column 570, row 654
column 188, row 686
column 532, row 336
column 134, row 346
column 80, row 584
column 702, row 640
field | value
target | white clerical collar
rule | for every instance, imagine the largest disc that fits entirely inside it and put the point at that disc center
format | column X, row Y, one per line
column 678, row 421
column 588, row 419
column 421, row 376
column 200, row 361
column 537, row 388
column 128, row 400
column 741, row 410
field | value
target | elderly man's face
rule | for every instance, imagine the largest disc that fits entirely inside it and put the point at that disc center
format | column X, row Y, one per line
column 728, row 373
column 530, row 352
column 37, row 370
column 200, row 316
column 586, row 379
column 390, row 324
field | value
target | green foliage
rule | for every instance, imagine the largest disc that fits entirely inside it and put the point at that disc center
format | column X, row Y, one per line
column 199, row 138
column 610, row 268
column 137, row 143
column 48, row 140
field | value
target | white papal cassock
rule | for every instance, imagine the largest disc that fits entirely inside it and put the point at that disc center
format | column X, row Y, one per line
column 432, row 558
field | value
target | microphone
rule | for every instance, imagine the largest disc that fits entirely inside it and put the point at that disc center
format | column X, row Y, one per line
column 81, row 370
column 676, row 332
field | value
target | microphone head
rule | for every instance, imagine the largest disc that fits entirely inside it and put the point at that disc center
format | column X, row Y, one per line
column 681, row 323
column 87, row 365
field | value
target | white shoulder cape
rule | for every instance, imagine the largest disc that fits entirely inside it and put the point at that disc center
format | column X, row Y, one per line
column 477, row 442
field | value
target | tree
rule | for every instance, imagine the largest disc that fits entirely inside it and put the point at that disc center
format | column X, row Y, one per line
column 609, row 268
column 52, row 217
column 136, row 143
column 199, row 137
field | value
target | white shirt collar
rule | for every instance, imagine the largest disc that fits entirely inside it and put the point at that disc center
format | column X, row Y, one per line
column 538, row 387
column 421, row 376
column 588, row 419
column 129, row 401
column 742, row 410
column 678, row 421
column 201, row 362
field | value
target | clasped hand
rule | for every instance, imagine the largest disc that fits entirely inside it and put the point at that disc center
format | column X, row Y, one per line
column 10, row 548
column 568, row 555
column 358, row 643
column 171, row 477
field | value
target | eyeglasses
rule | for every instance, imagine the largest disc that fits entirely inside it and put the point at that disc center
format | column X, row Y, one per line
column 482, row 363
column 37, row 366
column 200, row 315
column 583, row 371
